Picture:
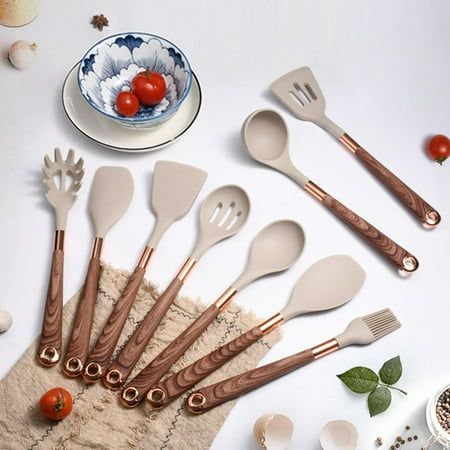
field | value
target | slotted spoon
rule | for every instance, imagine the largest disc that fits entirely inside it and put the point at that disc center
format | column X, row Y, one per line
column 175, row 187
column 110, row 196
column 360, row 331
column 300, row 93
column 274, row 249
column 223, row 213
column 266, row 139
column 62, row 179
column 327, row 284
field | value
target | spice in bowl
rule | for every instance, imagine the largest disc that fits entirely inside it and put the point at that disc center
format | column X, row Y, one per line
column 443, row 410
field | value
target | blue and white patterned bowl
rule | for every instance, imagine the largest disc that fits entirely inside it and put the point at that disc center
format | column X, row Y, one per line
column 109, row 66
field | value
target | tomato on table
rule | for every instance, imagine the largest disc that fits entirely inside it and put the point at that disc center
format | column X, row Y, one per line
column 127, row 103
column 149, row 86
column 438, row 148
column 56, row 404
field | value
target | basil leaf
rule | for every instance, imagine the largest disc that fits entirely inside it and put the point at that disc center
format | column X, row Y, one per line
column 391, row 371
column 360, row 379
column 379, row 400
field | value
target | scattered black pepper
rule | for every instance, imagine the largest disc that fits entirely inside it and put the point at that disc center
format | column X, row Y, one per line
column 407, row 427
column 409, row 439
column 415, row 437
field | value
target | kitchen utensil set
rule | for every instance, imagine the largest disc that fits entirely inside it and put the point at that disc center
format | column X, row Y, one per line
column 62, row 179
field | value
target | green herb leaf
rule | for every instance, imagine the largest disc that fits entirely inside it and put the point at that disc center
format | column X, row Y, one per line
column 360, row 379
column 391, row 371
column 379, row 400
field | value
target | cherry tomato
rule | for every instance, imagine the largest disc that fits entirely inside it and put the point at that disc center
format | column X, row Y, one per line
column 56, row 404
column 127, row 104
column 149, row 86
column 438, row 148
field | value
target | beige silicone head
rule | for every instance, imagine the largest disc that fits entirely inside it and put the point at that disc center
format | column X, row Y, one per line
column 300, row 93
column 273, row 431
column 111, row 193
column 63, row 180
column 223, row 213
column 327, row 284
column 339, row 435
column 274, row 249
column 174, row 190
column 265, row 137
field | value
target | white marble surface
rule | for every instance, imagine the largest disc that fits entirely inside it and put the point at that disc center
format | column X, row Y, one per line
column 384, row 69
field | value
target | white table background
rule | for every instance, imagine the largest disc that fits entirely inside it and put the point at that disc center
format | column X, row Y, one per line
column 384, row 68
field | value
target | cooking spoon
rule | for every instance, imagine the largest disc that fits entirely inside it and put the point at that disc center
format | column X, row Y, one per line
column 274, row 249
column 223, row 213
column 62, row 179
column 339, row 435
column 110, row 196
column 327, row 284
column 300, row 93
column 265, row 137
column 175, row 187
column 360, row 331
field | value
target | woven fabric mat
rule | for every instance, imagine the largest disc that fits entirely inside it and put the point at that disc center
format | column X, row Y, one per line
column 98, row 421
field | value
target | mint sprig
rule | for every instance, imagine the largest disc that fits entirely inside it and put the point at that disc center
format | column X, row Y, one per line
column 363, row 380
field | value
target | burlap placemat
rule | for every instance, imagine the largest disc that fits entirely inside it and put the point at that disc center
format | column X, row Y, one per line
column 98, row 421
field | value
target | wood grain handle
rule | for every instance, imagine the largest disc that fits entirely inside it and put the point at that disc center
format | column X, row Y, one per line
column 100, row 356
column 173, row 386
column 138, row 387
column 120, row 369
column 384, row 245
column 78, row 346
column 417, row 205
column 223, row 391
column 49, row 350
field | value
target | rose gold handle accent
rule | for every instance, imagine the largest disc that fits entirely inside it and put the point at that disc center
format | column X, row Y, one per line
column 78, row 346
column 49, row 350
column 389, row 249
column 120, row 369
column 138, row 387
column 100, row 356
column 429, row 217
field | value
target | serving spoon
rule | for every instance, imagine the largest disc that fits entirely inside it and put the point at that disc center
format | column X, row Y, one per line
column 265, row 138
column 223, row 213
column 174, row 190
column 327, row 284
column 111, row 194
column 274, row 249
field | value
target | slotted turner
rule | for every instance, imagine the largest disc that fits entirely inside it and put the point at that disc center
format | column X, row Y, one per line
column 174, row 189
column 223, row 213
column 300, row 93
column 327, row 284
column 62, row 179
column 110, row 196
column 360, row 331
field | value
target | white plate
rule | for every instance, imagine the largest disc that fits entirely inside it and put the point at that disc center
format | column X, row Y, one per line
column 112, row 135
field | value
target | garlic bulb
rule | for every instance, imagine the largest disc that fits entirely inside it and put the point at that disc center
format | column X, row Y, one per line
column 5, row 320
column 22, row 54
column 273, row 431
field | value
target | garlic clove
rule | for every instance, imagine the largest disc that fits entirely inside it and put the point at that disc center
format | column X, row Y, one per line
column 5, row 320
column 273, row 431
column 339, row 435
column 22, row 54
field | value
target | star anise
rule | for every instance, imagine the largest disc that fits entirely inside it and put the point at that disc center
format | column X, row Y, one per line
column 99, row 21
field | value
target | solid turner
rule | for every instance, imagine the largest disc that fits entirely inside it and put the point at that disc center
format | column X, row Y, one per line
column 300, row 93
column 110, row 196
column 274, row 249
column 62, row 179
column 360, row 331
column 223, row 213
column 175, row 187
column 327, row 284
column 265, row 137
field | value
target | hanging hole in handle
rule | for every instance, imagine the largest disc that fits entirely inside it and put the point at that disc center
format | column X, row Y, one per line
column 409, row 265
column 92, row 372
column 129, row 397
column 195, row 403
column 432, row 219
column 73, row 367
column 156, row 398
column 113, row 379
column 49, row 356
